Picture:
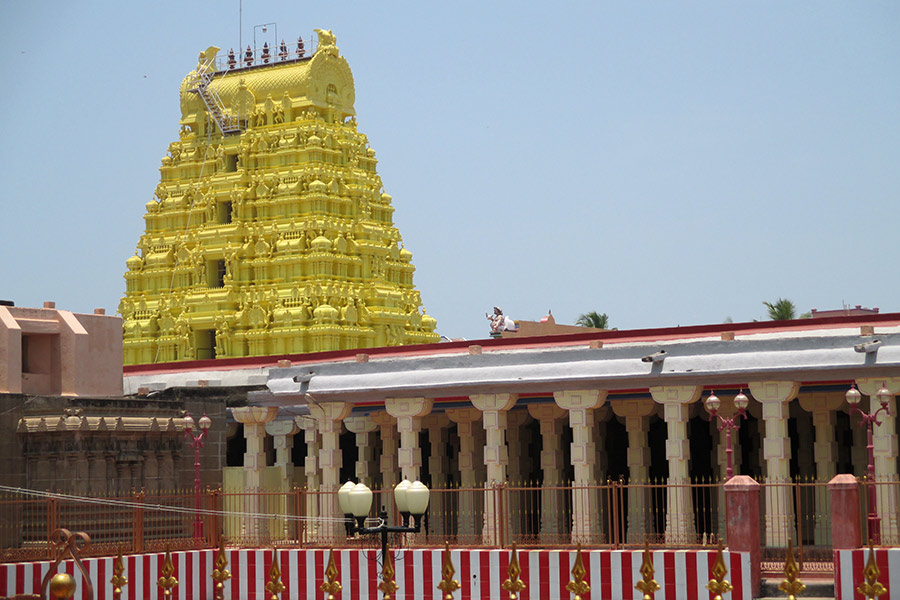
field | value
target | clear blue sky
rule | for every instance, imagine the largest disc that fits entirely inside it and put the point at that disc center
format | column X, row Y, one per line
column 665, row 163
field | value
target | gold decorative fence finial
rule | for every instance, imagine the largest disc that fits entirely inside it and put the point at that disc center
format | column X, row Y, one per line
column 331, row 586
column 871, row 588
column 167, row 581
column 274, row 586
column 62, row 585
column 220, row 574
column 647, row 585
column 118, row 580
column 388, row 586
column 513, row 585
column 791, row 585
column 448, row 585
column 718, row 585
column 578, row 585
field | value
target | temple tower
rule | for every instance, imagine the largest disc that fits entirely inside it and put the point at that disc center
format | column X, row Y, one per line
column 270, row 231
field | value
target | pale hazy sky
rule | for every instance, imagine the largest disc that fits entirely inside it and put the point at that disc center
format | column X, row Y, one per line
column 666, row 163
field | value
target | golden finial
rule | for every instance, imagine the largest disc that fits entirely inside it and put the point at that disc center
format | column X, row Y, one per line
column 220, row 574
column 578, row 585
column 118, row 580
column 167, row 582
column 448, row 585
column 332, row 586
column 871, row 588
column 274, row 586
column 647, row 586
column 791, row 585
column 718, row 585
column 387, row 585
column 513, row 585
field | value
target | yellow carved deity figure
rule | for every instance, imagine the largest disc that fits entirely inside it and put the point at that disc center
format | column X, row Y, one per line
column 270, row 232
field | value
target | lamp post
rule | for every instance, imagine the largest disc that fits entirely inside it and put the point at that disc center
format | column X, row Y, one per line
column 356, row 501
column 196, row 444
column 712, row 404
column 869, row 421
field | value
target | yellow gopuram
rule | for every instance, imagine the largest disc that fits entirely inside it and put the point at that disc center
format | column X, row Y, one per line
column 270, row 232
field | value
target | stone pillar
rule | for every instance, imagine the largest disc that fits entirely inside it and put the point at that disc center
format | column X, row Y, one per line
column 409, row 413
column 844, row 491
column 550, row 416
column 742, row 506
column 679, row 506
column 824, row 409
column 515, row 420
column 99, row 478
column 493, row 408
column 387, row 427
column 636, row 413
column 465, row 419
column 82, row 474
column 151, row 471
column 775, row 397
column 254, row 419
column 310, row 473
column 329, row 416
column 438, row 463
column 283, row 436
column 598, row 438
column 885, row 439
column 585, row 516
column 363, row 427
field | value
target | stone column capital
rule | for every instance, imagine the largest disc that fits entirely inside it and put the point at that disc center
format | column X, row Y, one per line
column 486, row 402
column 383, row 419
column 360, row 424
column 254, row 415
column 464, row 415
column 546, row 411
column 675, row 394
column 330, row 411
column 633, row 407
column 825, row 402
column 408, row 407
column 580, row 399
column 436, row 421
column 283, row 427
column 774, row 392
column 870, row 385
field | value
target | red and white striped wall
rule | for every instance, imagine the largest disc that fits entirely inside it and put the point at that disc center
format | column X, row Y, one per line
column 850, row 564
column 682, row 574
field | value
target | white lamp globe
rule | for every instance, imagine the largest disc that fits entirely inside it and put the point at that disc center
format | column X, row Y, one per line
column 853, row 396
column 360, row 500
column 205, row 422
column 417, row 498
column 884, row 395
column 713, row 403
column 741, row 401
column 188, row 422
column 344, row 497
column 400, row 496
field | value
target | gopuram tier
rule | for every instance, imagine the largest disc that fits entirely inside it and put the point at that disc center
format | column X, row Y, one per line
column 270, row 232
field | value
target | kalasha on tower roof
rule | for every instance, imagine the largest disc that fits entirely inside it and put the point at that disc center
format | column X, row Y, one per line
column 270, row 232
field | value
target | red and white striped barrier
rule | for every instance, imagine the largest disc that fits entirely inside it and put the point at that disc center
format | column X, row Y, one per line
column 681, row 574
column 850, row 564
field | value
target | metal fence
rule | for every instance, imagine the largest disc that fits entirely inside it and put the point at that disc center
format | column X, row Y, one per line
column 617, row 514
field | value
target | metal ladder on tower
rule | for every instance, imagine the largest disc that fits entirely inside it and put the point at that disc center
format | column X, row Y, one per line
column 199, row 84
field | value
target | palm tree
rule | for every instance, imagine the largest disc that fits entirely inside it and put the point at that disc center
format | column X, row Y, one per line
column 594, row 319
column 781, row 310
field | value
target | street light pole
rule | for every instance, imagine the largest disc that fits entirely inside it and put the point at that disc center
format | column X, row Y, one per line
column 196, row 443
column 712, row 404
column 356, row 501
column 870, row 421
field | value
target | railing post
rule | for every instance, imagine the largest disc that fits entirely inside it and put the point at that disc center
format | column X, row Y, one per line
column 53, row 523
column 138, row 531
column 742, row 523
column 845, row 526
